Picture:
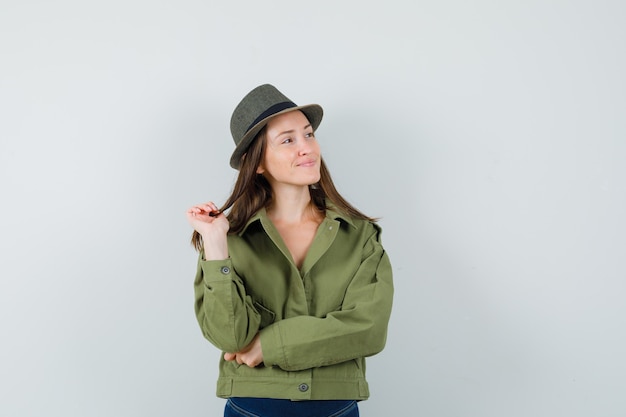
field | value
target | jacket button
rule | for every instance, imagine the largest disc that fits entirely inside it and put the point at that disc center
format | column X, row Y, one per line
column 303, row 387
column 225, row 270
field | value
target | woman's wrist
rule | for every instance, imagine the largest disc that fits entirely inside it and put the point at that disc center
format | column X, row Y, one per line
column 215, row 255
column 215, row 248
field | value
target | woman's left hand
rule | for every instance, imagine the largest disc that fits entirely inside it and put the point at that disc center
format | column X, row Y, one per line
column 251, row 355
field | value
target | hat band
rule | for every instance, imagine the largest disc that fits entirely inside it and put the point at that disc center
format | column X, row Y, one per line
column 272, row 110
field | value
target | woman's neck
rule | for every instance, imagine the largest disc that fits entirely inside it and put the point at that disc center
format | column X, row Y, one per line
column 292, row 206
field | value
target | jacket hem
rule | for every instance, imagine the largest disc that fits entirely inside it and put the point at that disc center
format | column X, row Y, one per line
column 296, row 390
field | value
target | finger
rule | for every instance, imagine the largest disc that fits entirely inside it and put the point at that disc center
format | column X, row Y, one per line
column 196, row 210
column 208, row 208
column 211, row 209
column 229, row 356
column 204, row 209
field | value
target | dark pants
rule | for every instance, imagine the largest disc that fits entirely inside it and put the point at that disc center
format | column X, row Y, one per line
column 267, row 407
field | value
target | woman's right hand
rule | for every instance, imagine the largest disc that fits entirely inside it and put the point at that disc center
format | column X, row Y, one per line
column 213, row 229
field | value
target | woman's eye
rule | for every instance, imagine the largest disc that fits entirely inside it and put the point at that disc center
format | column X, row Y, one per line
column 288, row 140
column 310, row 135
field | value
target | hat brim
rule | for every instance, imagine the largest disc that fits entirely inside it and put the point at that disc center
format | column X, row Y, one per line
column 313, row 113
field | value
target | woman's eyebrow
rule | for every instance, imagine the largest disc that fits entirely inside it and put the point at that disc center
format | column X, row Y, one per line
column 285, row 132
column 292, row 130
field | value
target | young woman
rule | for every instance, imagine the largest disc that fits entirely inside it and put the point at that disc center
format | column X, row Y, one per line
column 293, row 284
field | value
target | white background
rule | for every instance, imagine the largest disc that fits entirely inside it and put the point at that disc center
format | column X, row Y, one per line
column 490, row 136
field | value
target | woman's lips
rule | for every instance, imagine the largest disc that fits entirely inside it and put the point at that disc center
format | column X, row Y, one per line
column 308, row 163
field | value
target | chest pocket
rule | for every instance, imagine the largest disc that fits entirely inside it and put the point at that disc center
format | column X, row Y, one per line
column 267, row 316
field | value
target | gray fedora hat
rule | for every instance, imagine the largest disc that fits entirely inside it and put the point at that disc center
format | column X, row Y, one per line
column 256, row 109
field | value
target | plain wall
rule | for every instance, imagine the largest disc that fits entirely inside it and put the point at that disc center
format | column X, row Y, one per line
column 489, row 136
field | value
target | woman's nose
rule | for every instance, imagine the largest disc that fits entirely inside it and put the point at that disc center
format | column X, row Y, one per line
column 304, row 146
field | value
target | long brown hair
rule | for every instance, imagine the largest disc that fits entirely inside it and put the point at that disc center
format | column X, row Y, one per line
column 252, row 192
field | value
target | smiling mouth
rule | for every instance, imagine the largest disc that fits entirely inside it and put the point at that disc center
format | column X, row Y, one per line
column 307, row 164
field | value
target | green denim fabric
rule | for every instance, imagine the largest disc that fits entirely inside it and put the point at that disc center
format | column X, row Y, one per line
column 316, row 324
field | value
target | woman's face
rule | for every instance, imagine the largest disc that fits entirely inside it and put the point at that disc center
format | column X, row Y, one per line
column 292, row 154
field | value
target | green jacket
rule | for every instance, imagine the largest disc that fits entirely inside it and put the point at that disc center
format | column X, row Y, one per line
column 316, row 324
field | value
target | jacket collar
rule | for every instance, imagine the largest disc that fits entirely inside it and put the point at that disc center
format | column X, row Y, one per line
column 331, row 213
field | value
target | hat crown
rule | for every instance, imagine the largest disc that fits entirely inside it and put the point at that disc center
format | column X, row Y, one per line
column 256, row 109
column 258, row 104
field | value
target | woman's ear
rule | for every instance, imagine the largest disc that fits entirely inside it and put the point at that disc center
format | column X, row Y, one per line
column 259, row 170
